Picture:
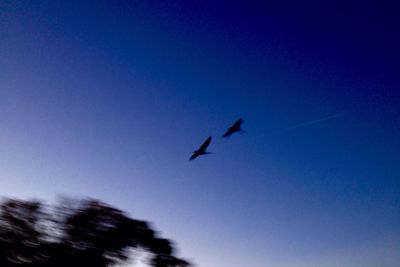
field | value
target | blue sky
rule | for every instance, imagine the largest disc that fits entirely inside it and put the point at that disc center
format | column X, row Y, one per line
column 109, row 99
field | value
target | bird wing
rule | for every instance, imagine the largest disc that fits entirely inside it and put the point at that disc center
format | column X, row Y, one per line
column 237, row 123
column 206, row 143
column 195, row 155
column 228, row 133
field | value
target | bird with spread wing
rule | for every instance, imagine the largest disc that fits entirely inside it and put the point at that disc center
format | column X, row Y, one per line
column 236, row 127
column 202, row 149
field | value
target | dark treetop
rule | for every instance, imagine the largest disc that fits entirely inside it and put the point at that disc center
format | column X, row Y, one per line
column 87, row 233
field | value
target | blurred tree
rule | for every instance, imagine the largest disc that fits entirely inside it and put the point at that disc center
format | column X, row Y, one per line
column 77, row 233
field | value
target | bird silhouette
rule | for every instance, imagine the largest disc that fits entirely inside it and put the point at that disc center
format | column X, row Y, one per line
column 202, row 149
column 236, row 127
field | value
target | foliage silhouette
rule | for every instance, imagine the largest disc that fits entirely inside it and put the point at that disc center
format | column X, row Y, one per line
column 77, row 233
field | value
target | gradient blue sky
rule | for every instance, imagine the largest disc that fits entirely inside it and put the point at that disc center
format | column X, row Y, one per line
column 108, row 99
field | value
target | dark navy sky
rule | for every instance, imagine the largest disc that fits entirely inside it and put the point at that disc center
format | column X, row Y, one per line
column 109, row 99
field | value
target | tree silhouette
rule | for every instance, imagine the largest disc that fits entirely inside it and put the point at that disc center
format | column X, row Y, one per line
column 79, row 233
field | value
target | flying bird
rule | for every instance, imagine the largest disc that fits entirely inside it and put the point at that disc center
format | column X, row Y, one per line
column 202, row 149
column 236, row 127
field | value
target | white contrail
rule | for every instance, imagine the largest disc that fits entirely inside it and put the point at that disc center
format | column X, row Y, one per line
column 300, row 125
column 315, row 121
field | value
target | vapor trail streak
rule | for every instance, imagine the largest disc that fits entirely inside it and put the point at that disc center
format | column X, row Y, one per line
column 315, row 121
column 296, row 126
